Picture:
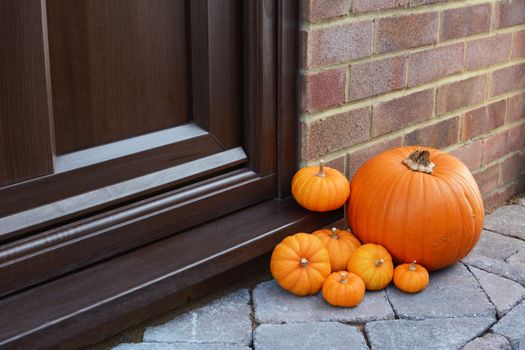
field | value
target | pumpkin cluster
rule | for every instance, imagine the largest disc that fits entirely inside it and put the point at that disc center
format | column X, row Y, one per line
column 417, row 206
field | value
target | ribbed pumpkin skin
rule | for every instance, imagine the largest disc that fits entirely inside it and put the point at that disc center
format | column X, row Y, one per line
column 435, row 218
column 411, row 281
column 347, row 294
column 363, row 263
column 285, row 264
column 320, row 193
column 340, row 249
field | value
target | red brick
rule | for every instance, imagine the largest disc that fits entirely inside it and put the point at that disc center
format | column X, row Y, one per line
column 399, row 113
column 498, row 145
column 338, row 163
column 440, row 135
column 323, row 90
column 403, row 32
column 357, row 158
column 499, row 198
column 488, row 179
column 513, row 167
column 465, row 21
column 373, row 78
column 518, row 44
column 470, row 154
column 507, row 79
column 509, row 13
column 360, row 6
column 460, row 94
column 334, row 133
column 482, row 120
column 488, row 51
column 432, row 64
column 516, row 108
column 336, row 44
column 319, row 10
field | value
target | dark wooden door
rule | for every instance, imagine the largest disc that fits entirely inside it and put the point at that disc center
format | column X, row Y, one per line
column 107, row 105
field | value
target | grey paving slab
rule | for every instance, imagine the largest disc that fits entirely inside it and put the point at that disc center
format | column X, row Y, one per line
column 275, row 305
column 489, row 341
column 508, row 220
column 502, row 292
column 499, row 254
column 429, row 334
column 180, row 346
column 309, row 336
column 512, row 326
column 452, row 292
column 225, row 320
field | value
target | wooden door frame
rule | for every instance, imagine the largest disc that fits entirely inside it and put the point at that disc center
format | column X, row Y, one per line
column 91, row 303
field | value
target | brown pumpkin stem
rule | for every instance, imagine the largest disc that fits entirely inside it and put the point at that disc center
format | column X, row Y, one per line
column 321, row 168
column 412, row 266
column 419, row 161
column 334, row 233
column 304, row 262
column 379, row 262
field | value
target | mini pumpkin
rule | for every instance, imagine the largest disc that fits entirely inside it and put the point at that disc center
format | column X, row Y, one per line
column 343, row 289
column 320, row 188
column 373, row 264
column 419, row 203
column 411, row 278
column 340, row 245
column 300, row 264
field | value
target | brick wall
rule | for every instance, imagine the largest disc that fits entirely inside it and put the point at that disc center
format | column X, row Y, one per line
column 377, row 74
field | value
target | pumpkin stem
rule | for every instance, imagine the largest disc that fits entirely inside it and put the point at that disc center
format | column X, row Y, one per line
column 334, row 233
column 304, row 262
column 321, row 168
column 419, row 161
column 379, row 262
column 412, row 266
column 343, row 279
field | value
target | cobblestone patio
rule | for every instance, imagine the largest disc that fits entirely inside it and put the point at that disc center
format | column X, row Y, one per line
column 478, row 303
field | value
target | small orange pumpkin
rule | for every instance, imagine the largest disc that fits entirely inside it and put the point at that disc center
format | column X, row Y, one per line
column 320, row 188
column 373, row 264
column 411, row 278
column 419, row 203
column 300, row 264
column 340, row 245
column 343, row 289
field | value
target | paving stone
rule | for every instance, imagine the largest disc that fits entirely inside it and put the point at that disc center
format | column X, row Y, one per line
column 180, row 346
column 490, row 341
column 499, row 254
column 309, row 336
column 444, row 297
column 512, row 326
column 225, row 320
column 275, row 305
column 508, row 220
column 428, row 334
column 502, row 292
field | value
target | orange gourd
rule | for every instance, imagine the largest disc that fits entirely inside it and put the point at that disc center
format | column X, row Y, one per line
column 300, row 264
column 320, row 188
column 419, row 203
column 343, row 289
column 340, row 245
column 373, row 264
column 411, row 278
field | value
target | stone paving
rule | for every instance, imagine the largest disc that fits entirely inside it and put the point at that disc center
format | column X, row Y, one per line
column 478, row 303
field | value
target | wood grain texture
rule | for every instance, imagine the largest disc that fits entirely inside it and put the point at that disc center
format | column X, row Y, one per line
column 25, row 143
column 131, row 282
column 119, row 69
column 216, row 68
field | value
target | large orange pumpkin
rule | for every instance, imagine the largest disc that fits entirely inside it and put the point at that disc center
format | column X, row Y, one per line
column 300, row 264
column 419, row 203
column 320, row 188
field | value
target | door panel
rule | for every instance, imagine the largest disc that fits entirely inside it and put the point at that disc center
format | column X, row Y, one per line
column 25, row 141
column 118, row 69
